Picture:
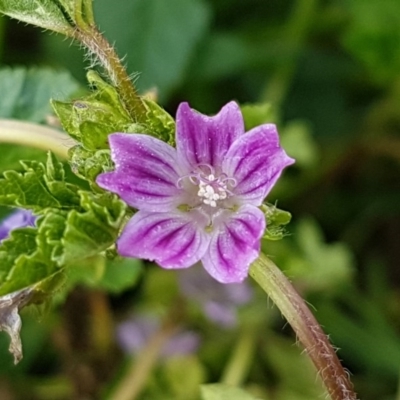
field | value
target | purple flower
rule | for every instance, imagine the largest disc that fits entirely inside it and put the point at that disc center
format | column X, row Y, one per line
column 199, row 201
column 20, row 218
column 219, row 302
column 132, row 336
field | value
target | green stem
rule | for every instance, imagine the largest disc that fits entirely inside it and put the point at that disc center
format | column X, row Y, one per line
column 306, row 327
column 34, row 135
column 95, row 42
column 242, row 356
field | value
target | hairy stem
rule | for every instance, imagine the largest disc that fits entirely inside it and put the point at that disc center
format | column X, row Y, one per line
column 35, row 135
column 306, row 327
column 95, row 42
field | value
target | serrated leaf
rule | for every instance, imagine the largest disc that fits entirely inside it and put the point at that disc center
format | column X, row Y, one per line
column 26, row 92
column 43, row 13
column 219, row 391
column 30, row 255
column 38, row 186
column 88, row 164
column 93, row 230
column 276, row 219
column 91, row 119
column 159, row 123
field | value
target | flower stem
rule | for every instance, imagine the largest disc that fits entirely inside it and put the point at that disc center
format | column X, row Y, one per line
column 306, row 327
column 35, row 135
column 95, row 42
column 240, row 361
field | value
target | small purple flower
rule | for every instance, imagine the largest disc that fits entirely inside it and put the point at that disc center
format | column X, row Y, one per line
column 219, row 302
column 199, row 201
column 20, row 218
column 133, row 334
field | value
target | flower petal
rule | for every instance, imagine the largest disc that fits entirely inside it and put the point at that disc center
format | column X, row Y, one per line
column 205, row 140
column 146, row 172
column 173, row 240
column 235, row 244
column 256, row 161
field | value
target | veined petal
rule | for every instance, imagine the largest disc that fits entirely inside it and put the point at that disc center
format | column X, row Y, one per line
column 146, row 172
column 256, row 161
column 173, row 239
column 235, row 244
column 205, row 140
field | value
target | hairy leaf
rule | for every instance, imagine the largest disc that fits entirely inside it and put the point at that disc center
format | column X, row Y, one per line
column 43, row 13
column 276, row 220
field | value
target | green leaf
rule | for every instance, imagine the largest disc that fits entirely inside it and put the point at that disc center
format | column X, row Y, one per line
column 275, row 219
column 88, row 164
column 337, row 265
column 38, row 186
column 30, row 255
column 373, row 37
column 195, row 375
column 91, row 119
column 297, row 140
column 164, row 39
column 43, row 13
column 219, row 391
column 26, row 92
column 159, row 123
column 120, row 275
column 258, row 114
column 93, row 230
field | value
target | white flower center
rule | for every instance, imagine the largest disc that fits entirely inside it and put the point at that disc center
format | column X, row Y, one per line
column 208, row 187
column 212, row 189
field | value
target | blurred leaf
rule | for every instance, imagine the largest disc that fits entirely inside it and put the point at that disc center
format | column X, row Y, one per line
column 219, row 391
column 297, row 141
column 43, row 13
column 194, row 376
column 322, row 265
column 120, row 275
column 26, row 93
column 373, row 36
column 98, row 272
column 161, row 36
column 258, row 114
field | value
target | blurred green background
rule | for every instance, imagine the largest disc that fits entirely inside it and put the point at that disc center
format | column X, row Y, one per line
column 327, row 72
